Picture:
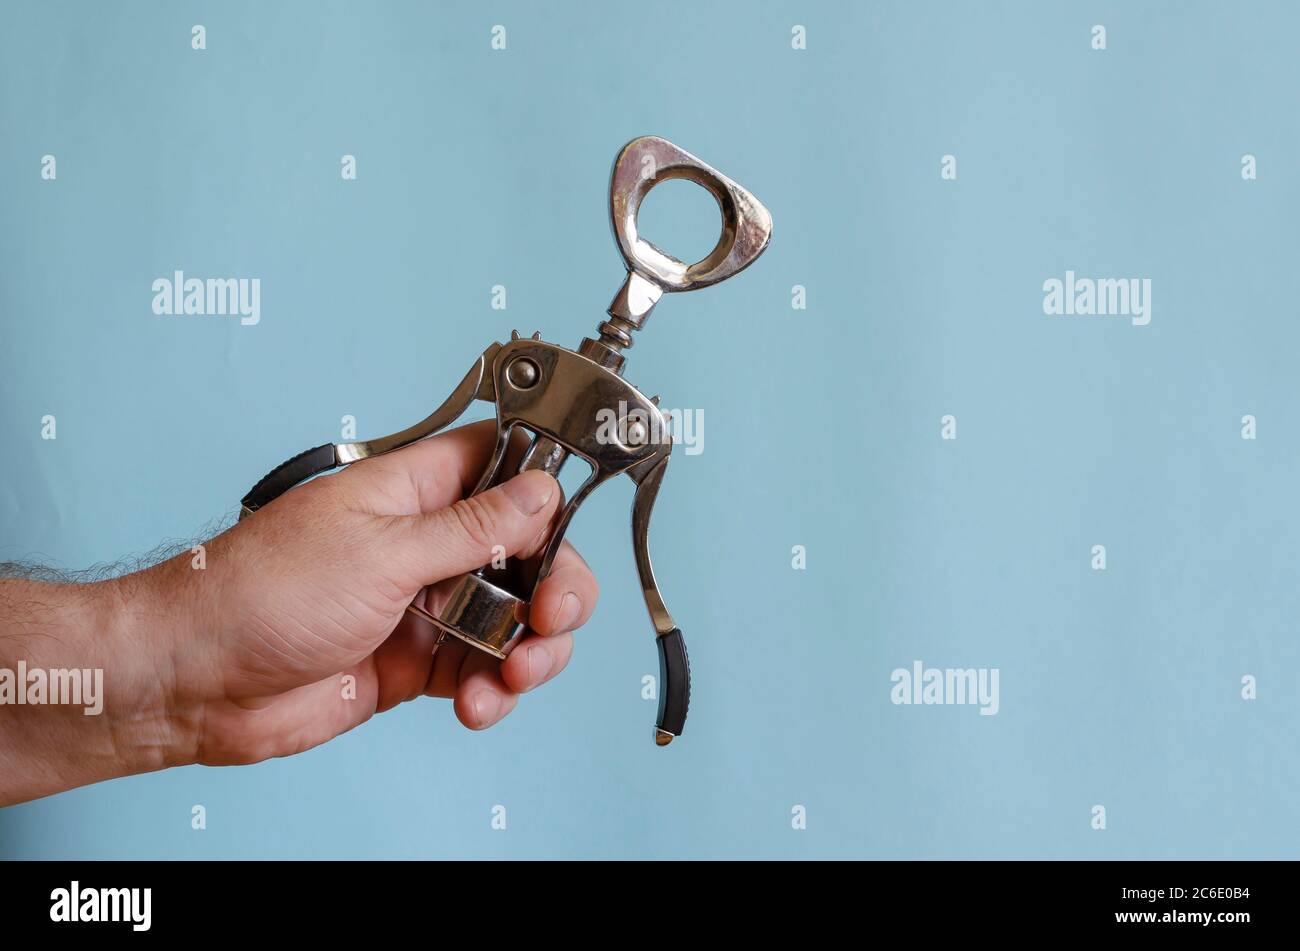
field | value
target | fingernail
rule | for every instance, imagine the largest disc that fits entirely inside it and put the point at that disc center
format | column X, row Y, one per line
column 486, row 707
column 566, row 615
column 540, row 663
column 530, row 491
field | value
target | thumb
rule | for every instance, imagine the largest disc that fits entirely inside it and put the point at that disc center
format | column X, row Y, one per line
column 465, row 535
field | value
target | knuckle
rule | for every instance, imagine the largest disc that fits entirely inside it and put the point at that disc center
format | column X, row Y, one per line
column 476, row 521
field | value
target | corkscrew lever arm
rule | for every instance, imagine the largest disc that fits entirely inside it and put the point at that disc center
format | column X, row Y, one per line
column 477, row 384
column 674, row 665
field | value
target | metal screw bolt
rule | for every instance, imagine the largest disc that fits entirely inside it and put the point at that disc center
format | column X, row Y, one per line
column 523, row 373
column 636, row 433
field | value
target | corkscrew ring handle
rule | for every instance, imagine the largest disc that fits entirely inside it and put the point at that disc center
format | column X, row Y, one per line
column 746, row 226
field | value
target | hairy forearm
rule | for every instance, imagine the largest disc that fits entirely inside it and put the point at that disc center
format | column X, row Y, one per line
column 85, row 685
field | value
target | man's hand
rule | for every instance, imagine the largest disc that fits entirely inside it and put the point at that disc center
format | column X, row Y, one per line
column 296, row 629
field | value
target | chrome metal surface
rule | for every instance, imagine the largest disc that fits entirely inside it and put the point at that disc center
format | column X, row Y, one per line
column 482, row 615
column 544, row 454
column 565, row 408
column 637, row 297
column 572, row 396
column 647, row 480
column 522, row 373
column 746, row 228
column 602, row 355
column 469, row 389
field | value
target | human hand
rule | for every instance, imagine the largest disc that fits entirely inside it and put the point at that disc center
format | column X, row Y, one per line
column 314, row 587
column 248, row 657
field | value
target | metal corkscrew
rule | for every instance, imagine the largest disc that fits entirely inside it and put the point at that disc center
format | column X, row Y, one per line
column 559, row 396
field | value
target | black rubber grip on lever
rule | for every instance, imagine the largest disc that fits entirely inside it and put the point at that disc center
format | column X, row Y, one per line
column 674, row 682
column 288, row 474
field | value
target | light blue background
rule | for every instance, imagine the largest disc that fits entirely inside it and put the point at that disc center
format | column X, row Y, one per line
column 478, row 168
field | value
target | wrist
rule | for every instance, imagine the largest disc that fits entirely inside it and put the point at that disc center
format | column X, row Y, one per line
column 153, row 698
column 85, row 692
